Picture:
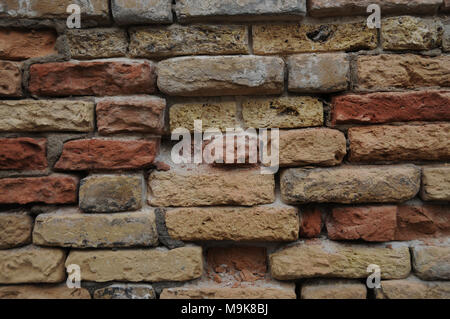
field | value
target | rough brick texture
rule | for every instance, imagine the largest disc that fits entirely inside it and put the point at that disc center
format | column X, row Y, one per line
column 159, row 42
column 262, row 223
column 43, row 292
column 400, row 143
column 10, row 79
column 22, row 45
column 333, row 289
column 283, row 113
column 97, row 43
column 136, row 265
column 417, row 221
column 53, row 189
column 391, row 107
column 92, row 78
column 211, row 187
column 189, row 10
column 322, row 147
column 294, row 38
column 413, row 288
column 318, row 73
column 370, row 223
column 23, row 153
column 435, row 184
column 319, row 258
column 223, row 75
column 350, row 184
column 213, row 114
column 110, row 193
column 431, row 262
column 72, row 228
column 410, row 33
column 107, row 154
column 143, row 114
column 407, row 71
column 141, row 11
column 46, row 116
column 32, row 264
column 330, row 8
column 15, row 229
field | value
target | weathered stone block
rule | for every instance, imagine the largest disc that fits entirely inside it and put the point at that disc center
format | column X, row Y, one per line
column 436, row 183
column 323, row 258
column 411, row 33
column 46, row 115
column 97, row 43
column 10, row 79
column 220, row 115
column 221, row 75
column 306, row 38
column 211, row 187
column 130, row 114
column 350, row 184
column 402, row 71
column 136, row 265
column 400, row 143
column 316, row 146
column 18, row 44
column 175, row 40
column 15, row 229
column 282, row 112
column 32, row 264
column 110, row 193
column 431, row 262
column 261, row 223
column 318, row 73
column 71, row 228
column 192, row 10
column 141, row 11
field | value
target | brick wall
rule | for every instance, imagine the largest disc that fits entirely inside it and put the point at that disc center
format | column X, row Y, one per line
column 86, row 176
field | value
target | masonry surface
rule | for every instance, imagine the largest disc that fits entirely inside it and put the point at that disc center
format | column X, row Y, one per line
column 86, row 176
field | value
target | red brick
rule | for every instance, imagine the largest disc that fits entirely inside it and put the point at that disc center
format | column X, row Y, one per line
column 310, row 222
column 370, row 223
column 22, row 44
column 422, row 221
column 107, row 154
column 10, row 79
column 55, row 189
column 23, row 153
column 391, row 107
column 108, row 77
column 244, row 264
column 131, row 114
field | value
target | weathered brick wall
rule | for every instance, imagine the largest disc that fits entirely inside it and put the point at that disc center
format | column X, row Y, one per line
column 86, row 176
